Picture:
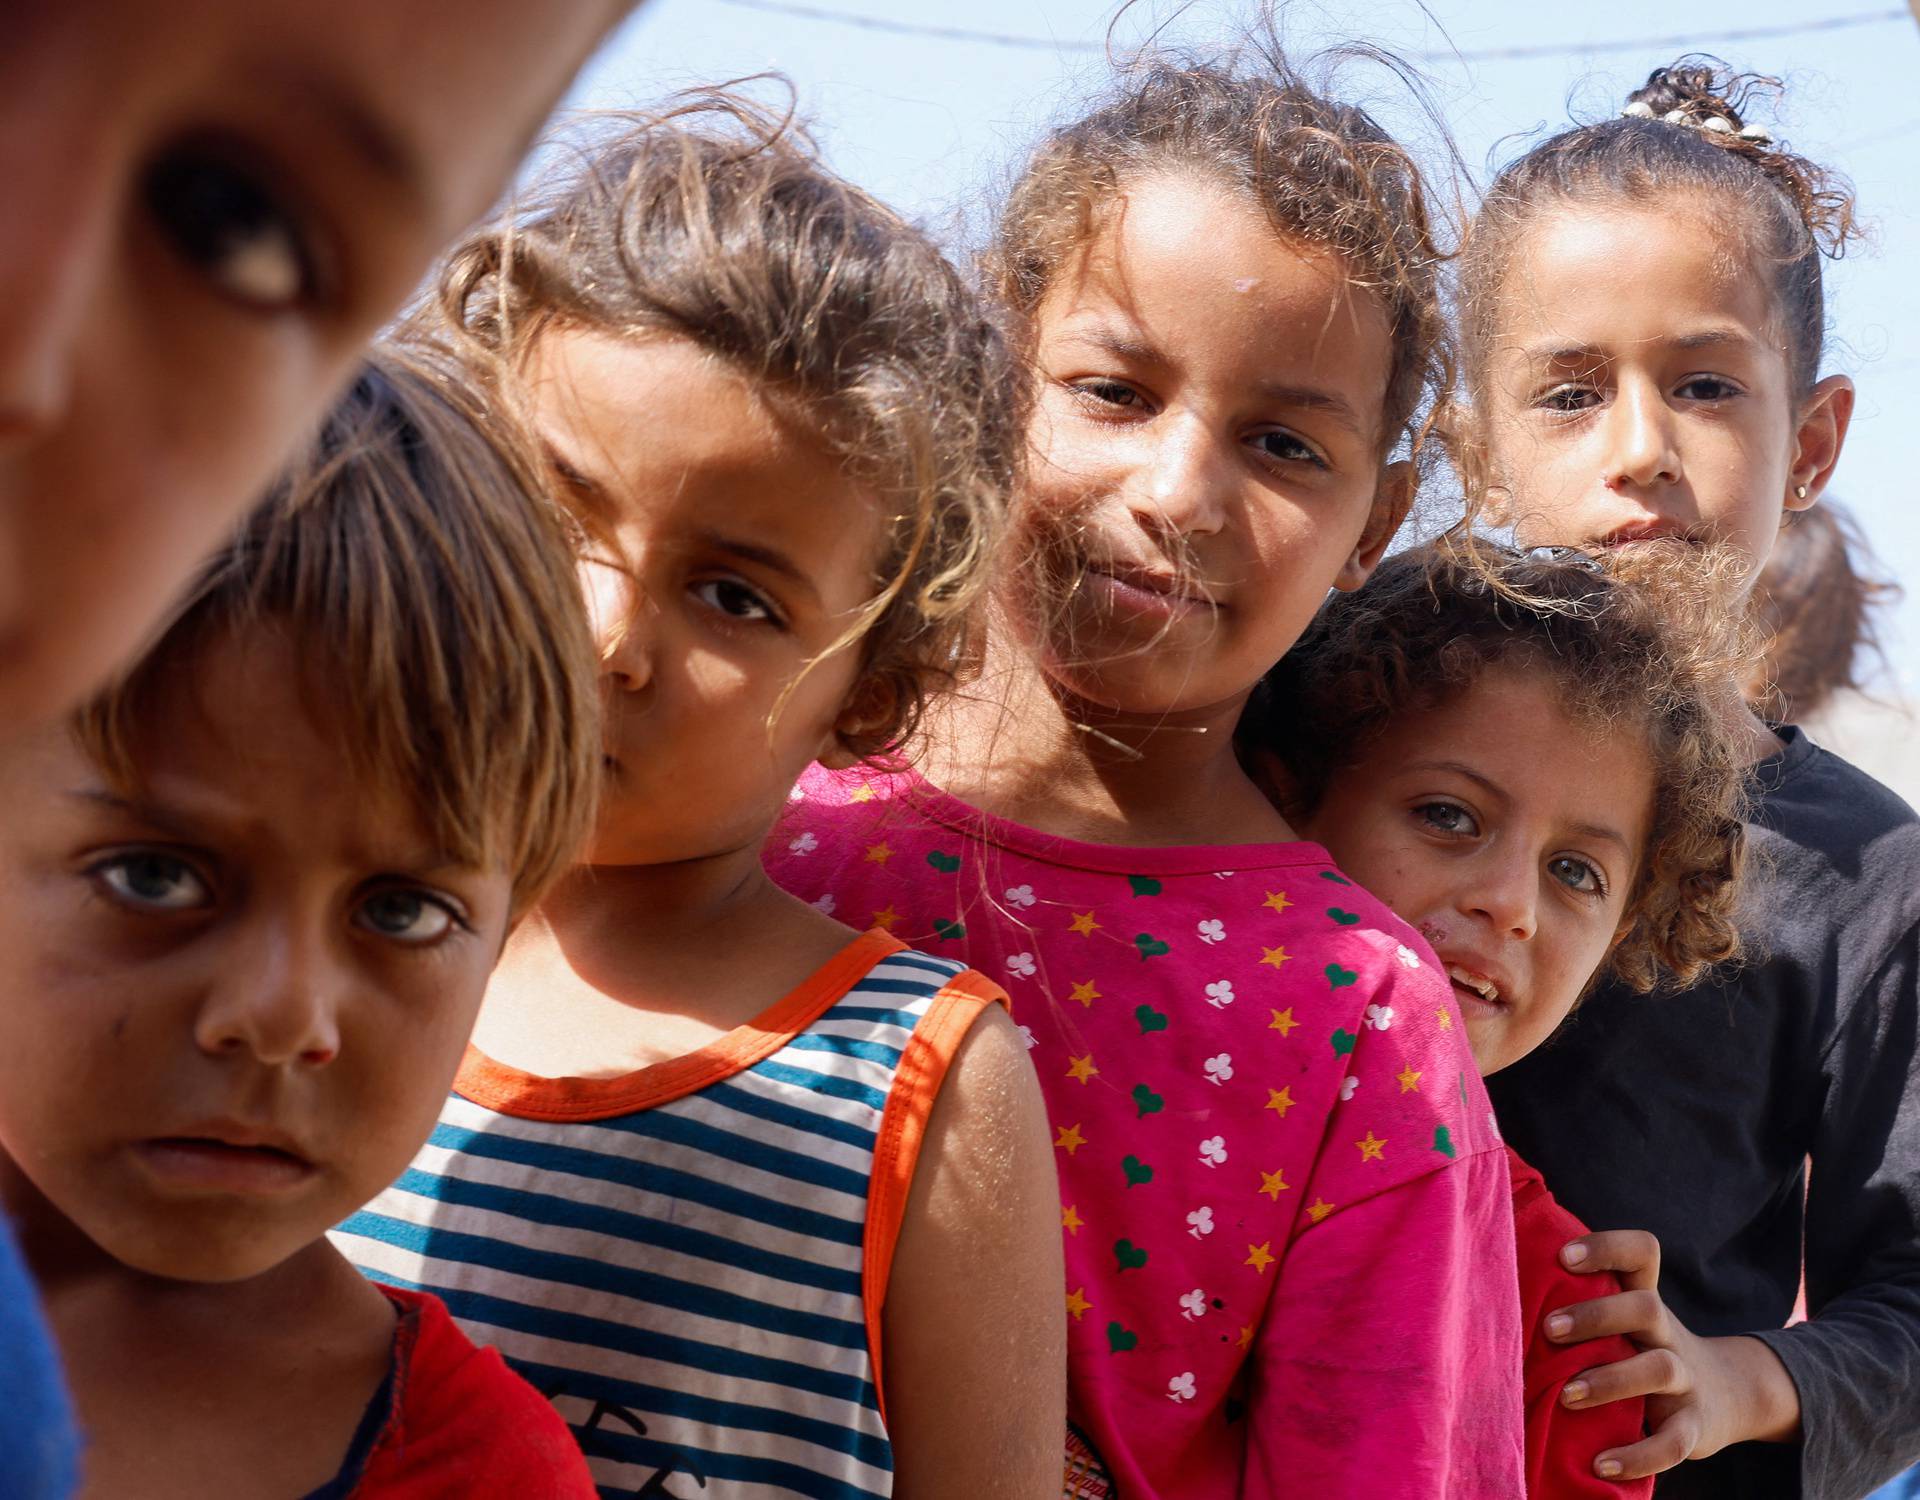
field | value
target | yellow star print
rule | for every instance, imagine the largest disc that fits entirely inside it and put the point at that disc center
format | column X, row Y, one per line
column 1083, row 924
column 1077, row 1302
column 1283, row 1022
column 1086, row 994
column 1319, row 1209
column 1409, row 1077
column 1082, row 1068
column 1280, row 1100
column 1070, row 1219
column 878, row 854
column 1258, row 1256
column 1246, row 1338
column 1446, row 1020
column 1274, row 957
column 885, row 918
column 862, row 793
column 1277, row 901
column 1371, row 1148
column 1273, row 1184
column 1071, row 1138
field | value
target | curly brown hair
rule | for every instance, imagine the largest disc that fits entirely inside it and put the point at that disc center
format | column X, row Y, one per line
column 1815, row 605
column 1686, row 137
column 1323, row 172
column 713, row 220
column 1433, row 619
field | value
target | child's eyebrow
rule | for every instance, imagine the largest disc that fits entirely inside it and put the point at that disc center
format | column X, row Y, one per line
column 139, row 812
column 1333, row 406
column 375, row 143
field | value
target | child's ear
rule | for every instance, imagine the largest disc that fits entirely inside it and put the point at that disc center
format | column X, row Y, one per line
column 1818, row 440
column 1391, row 502
column 871, row 708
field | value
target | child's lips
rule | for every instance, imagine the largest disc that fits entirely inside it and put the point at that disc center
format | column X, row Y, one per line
column 206, row 1164
column 1131, row 591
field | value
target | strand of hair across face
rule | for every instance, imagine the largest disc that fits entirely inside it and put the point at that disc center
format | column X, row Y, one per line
column 1488, row 54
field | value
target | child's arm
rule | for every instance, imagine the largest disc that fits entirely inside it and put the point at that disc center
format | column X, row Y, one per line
column 1703, row 1393
column 975, row 1341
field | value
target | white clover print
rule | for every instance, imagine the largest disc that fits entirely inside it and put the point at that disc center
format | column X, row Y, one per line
column 805, row 843
column 1021, row 965
column 1213, row 1150
column 1220, row 994
column 1219, row 1068
column 1193, row 1305
column 1212, row 931
column 798, row 794
column 1021, row 896
column 1408, row 958
column 1180, row 1388
column 1200, row 1223
column 1380, row 1017
column 1347, row 1086
column 825, row 904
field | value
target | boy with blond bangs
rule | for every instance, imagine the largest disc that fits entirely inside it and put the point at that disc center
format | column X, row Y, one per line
column 253, row 892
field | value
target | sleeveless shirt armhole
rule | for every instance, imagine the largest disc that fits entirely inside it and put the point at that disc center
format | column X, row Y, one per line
column 903, row 1127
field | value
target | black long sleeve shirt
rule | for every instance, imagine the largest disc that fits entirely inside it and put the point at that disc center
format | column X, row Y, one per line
column 1692, row 1115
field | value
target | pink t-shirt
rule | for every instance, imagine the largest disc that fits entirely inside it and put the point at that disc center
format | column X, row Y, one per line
column 1287, row 1214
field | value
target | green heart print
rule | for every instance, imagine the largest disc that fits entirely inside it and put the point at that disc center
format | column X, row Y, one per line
column 1343, row 1041
column 1150, row 946
column 1336, row 879
column 1340, row 978
column 1144, row 885
column 1130, row 1256
column 950, row 931
column 1344, row 918
column 946, row 864
column 1138, row 1172
column 1147, row 1101
column 1150, row 1019
column 1443, row 1141
column 1121, row 1338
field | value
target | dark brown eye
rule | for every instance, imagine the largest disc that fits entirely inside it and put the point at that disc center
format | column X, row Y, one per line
column 222, row 220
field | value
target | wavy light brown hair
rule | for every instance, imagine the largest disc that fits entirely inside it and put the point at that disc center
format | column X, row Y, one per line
column 714, row 221
column 1433, row 619
column 1684, row 144
column 428, row 586
column 1815, row 606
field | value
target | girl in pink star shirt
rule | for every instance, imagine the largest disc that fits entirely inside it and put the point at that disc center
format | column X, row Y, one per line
column 1289, row 1243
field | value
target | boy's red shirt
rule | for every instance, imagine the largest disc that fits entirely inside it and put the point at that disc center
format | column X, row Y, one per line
column 461, row 1425
column 1561, row 1443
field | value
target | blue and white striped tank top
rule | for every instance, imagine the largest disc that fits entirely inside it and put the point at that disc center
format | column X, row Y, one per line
column 690, row 1261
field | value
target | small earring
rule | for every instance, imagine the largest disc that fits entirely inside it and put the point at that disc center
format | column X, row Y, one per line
column 1799, row 492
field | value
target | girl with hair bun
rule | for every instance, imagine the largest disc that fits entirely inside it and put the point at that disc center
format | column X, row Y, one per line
column 1644, row 331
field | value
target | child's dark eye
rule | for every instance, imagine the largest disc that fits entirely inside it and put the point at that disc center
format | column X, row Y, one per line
column 1706, row 388
column 1570, row 398
column 1108, row 393
column 1288, row 448
column 1446, row 817
column 1577, row 874
column 407, row 916
column 734, row 600
column 153, row 882
column 224, row 221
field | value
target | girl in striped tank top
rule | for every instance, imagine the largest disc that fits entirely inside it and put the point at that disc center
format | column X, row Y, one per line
column 764, row 1206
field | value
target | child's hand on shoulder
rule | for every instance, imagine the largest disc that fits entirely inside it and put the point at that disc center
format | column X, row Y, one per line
column 1703, row 1394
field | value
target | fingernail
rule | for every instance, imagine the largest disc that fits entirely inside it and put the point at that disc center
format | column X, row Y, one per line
column 1576, row 1391
column 1608, row 1468
column 1559, row 1324
column 1574, row 1253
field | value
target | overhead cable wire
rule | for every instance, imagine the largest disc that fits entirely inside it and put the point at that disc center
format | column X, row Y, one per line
column 935, row 31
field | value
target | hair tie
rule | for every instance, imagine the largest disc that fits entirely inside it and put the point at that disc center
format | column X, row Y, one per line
column 1639, row 109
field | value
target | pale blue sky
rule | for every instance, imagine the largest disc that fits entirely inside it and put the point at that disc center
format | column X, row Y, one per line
column 933, row 125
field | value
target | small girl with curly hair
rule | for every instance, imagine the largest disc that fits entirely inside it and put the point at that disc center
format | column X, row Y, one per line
column 1643, row 358
column 1525, row 758
column 1227, row 285
column 763, row 1205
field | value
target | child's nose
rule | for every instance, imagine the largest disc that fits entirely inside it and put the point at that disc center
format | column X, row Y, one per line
column 1641, row 451
column 279, row 999
column 624, row 626
column 1504, row 895
column 1179, row 487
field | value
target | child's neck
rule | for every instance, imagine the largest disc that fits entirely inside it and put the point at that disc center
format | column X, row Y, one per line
column 624, row 966
column 1019, row 746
